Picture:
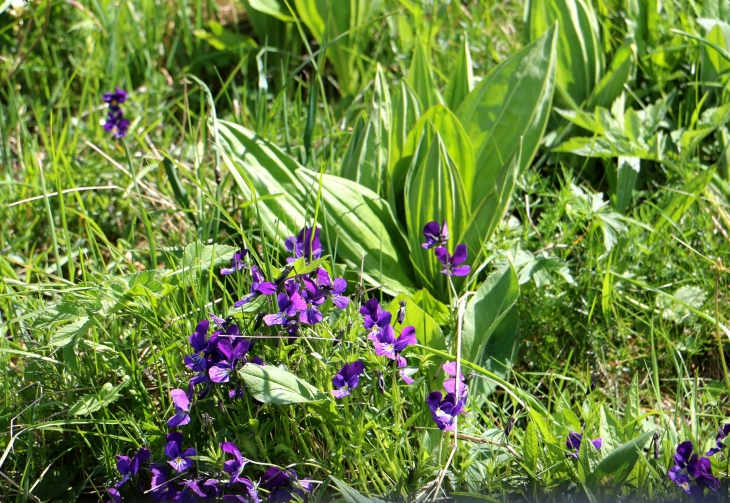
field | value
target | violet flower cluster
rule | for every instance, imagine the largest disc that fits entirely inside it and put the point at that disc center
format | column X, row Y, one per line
column 377, row 322
column 445, row 409
column 438, row 237
column 693, row 473
column 175, row 478
column 115, row 121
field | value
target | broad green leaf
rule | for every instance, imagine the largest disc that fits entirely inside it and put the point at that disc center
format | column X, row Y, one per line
column 362, row 226
column 342, row 29
column 224, row 40
column 603, row 147
column 632, row 410
column 717, row 43
column 352, row 495
column 366, row 158
column 428, row 332
column 443, row 121
column 434, row 192
column 68, row 333
column 260, row 169
column 484, row 313
column 487, row 213
column 461, row 81
column 714, row 9
column 276, row 8
column 420, row 78
column 610, row 429
column 510, row 103
column 270, row 384
column 617, row 465
column 545, row 429
column 612, row 83
column 627, row 172
column 531, row 447
column 95, row 401
column 199, row 256
column 314, row 15
column 438, row 310
column 579, row 53
column 405, row 112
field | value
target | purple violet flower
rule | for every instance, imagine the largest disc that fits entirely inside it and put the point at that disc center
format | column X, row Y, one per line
column 202, row 347
column 181, row 401
column 304, row 245
column 687, row 465
column 719, row 440
column 129, row 467
column 249, row 492
column 435, row 235
column 444, row 411
column 116, row 124
column 387, row 345
column 237, row 263
column 258, row 287
column 179, row 459
column 575, row 439
column 284, row 484
column 233, row 467
column 116, row 98
column 289, row 306
column 374, row 318
column 451, row 262
column 347, row 378
column 333, row 289
column 160, row 488
column 196, row 490
column 114, row 494
column 450, row 383
column 221, row 371
column 313, row 298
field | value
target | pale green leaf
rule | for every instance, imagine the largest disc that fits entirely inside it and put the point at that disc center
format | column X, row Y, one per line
column 270, row 384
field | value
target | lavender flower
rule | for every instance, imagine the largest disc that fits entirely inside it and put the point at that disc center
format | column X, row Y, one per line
column 304, row 245
column 719, row 440
column 116, row 98
column 387, row 345
column 450, row 383
column 233, row 467
column 575, row 439
column 311, row 315
column 435, row 235
column 284, row 484
column 221, row 371
column 451, row 262
column 258, row 287
column 237, row 262
column 181, row 402
column 347, row 378
column 444, row 411
column 179, row 459
column 129, row 467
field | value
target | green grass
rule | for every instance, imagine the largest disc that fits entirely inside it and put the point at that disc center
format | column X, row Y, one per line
column 643, row 311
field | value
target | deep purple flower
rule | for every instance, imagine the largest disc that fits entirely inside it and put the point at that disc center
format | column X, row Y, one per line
column 196, row 490
column 444, row 411
column 313, row 298
column 258, row 287
column 719, row 440
column 233, row 467
column 451, row 262
column 116, row 124
column 450, row 383
column 232, row 353
column 202, row 347
column 181, row 402
column 160, row 488
column 701, row 469
column 688, row 465
column 114, row 494
column 374, row 318
column 289, row 306
column 304, row 245
column 237, row 263
column 249, row 492
column 387, row 345
column 332, row 289
column 284, row 484
column 128, row 467
column 179, row 459
column 435, row 235
column 347, row 378
column 116, row 98
column 575, row 439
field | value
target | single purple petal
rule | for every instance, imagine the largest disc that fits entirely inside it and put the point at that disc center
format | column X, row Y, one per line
column 338, row 381
column 220, row 373
column 460, row 254
column 181, row 418
column 172, row 449
column 340, row 301
column 406, row 378
column 275, row 319
column 443, row 255
column 114, row 495
column 407, row 338
column 400, row 361
column 311, row 315
column 340, row 392
column 266, row 288
column 124, row 464
column 597, row 443
column 181, row 399
column 573, row 441
column 462, row 270
column 339, row 286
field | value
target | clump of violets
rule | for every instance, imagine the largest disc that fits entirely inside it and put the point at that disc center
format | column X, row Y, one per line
column 572, row 443
column 444, row 409
column 115, row 122
column 378, row 322
column 305, row 245
column 437, row 236
column 691, row 472
column 283, row 485
column 238, row 262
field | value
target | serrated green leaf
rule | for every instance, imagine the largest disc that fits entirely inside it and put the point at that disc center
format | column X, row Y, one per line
column 92, row 402
column 531, row 447
column 270, row 384
column 68, row 333
column 199, row 256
